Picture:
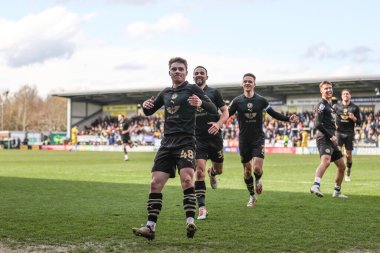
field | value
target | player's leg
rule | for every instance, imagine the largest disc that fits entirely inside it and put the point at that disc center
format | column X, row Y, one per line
column 249, row 182
column 258, row 163
column 349, row 148
column 216, row 156
column 189, row 199
column 246, row 155
column 200, row 187
column 337, row 158
column 320, row 171
column 216, row 169
column 185, row 160
column 125, row 149
column 349, row 164
column 154, row 205
column 325, row 148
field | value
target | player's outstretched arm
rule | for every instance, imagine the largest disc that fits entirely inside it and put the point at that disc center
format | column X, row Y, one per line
column 215, row 126
column 277, row 115
column 151, row 105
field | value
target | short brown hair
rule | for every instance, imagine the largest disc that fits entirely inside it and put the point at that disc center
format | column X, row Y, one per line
column 325, row 82
column 201, row 67
column 251, row 75
column 346, row 90
column 178, row 59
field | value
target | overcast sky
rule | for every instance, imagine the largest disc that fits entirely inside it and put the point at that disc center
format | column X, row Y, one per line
column 82, row 45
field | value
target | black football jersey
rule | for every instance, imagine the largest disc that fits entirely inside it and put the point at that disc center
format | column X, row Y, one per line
column 124, row 125
column 179, row 114
column 249, row 115
column 344, row 123
column 325, row 118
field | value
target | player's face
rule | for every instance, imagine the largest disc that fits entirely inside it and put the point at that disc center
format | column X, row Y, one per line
column 327, row 91
column 200, row 76
column 346, row 96
column 248, row 83
column 178, row 72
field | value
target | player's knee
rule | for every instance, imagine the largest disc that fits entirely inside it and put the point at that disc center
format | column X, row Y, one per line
column 200, row 173
column 218, row 169
column 257, row 170
column 156, row 185
column 187, row 181
column 325, row 160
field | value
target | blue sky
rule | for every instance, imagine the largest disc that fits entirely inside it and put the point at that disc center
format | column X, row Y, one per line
column 81, row 45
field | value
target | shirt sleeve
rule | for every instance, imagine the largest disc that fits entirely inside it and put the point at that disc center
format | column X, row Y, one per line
column 219, row 102
column 233, row 107
column 277, row 115
column 158, row 103
column 358, row 117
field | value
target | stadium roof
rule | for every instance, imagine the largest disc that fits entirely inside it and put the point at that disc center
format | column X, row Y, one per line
column 273, row 90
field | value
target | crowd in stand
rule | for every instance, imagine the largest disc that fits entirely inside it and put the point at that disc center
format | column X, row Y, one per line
column 146, row 129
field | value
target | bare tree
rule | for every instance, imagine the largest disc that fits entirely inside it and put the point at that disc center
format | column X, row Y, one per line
column 27, row 111
column 54, row 117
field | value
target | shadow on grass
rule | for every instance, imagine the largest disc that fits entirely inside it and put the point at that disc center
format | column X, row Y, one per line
column 93, row 215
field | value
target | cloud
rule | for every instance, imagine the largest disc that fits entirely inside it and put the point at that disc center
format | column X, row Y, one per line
column 358, row 54
column 130, row 66
column 36, row 38
column 176, row 22
column 39, row 51
column 319, row 51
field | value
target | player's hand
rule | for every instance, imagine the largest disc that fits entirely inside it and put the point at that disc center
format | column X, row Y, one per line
column 149, row 103
column 333, row 139
column 293, row 118
column 214, row 129
column 194, row 100
column 352, row 116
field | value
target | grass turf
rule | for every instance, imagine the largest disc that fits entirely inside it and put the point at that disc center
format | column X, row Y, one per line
column 88, row 201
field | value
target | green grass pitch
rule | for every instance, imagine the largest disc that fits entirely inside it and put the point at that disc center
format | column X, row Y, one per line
column 52, row 201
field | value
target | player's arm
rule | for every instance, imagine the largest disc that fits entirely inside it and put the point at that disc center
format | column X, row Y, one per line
column 199, row 98
column 151, row 105
column 224, row 115
column 276, row 115
column 357, row 117
column 232, row 108
column 280, row 116
column 215, row 126
column 219, row 102
column 131, row 128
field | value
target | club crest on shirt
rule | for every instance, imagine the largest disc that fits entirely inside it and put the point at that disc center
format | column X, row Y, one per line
column 250, row 106
column 172, row 109
column 321, row 107
column 174, row 96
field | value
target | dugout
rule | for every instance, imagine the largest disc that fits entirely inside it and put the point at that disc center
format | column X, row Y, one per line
column 284, row 95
